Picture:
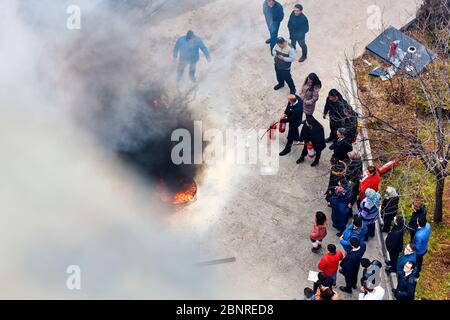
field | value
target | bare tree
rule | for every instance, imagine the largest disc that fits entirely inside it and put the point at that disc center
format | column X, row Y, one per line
column 408, row 118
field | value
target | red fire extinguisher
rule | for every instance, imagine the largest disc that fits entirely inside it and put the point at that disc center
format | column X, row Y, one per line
column 387, row 167
column 272, row 129
column 282, row 125
column 311, row 151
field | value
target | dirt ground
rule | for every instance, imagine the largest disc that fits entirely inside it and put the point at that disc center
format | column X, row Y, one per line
column 264, row 220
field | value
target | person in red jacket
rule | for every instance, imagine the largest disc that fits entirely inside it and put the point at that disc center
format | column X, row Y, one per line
column 371, row 180
column 329, row 263
column 319, row 231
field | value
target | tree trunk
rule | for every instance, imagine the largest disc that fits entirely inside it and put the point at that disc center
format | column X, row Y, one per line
column 438, row 199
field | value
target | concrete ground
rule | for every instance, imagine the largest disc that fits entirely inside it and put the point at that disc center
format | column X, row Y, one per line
column 264, row 220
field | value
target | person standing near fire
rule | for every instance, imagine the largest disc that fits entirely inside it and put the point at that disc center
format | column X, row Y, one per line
column 274, row 14
column 292, row 115
column 188, row 47
column 284, row 55
column 298, row 26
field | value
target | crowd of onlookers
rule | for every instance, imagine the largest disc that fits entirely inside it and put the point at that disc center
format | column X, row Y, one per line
column 353, row 195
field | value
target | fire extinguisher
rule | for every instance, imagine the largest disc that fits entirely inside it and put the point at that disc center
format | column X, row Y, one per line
column 272, row 129
column 387, row 167
column 282, row 125
column 311, row 151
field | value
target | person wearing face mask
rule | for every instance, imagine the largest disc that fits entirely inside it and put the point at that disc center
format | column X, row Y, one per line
column 312, row 132
column 407, row 280
column 394, row 241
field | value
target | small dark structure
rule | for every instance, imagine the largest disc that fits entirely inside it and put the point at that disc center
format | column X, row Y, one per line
column 413, row 56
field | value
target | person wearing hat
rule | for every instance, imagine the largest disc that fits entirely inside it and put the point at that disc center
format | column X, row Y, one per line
column 283, row 56
column 341, row 147
column 274, row 14
column 188, row 47
column 298, row 26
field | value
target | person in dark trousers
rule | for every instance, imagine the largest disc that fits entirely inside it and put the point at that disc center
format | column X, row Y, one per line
column 350, row 265
column 389, row 208
column 298, row 26
column 409, row 254
column 323, row 280
column 336, row 107
column 407, row 280
column 188, row 47
column 283, row 56
column 394, row 241
column 329, row 263
column 293, row 115
column 274, row 14
column 341, row 147
column 341, row 208
column 369, row 210
column 365, row 264
column 421, row 239
column 310, row 93
column 312, row 132
column 419, row 210
column 354, row 173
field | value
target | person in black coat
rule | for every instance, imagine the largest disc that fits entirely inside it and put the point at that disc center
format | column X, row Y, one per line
column 292, row 115
column 394, row 241
column 341, row 147
column 323, row 280
column 419, row 210
column 354, row 173
column 407, row 280
column 298, row 26
column 337, row 108
column 389, row 208
column 351, row 263
column 312, row 131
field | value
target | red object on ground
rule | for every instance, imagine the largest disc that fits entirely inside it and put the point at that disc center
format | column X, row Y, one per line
column 272, row 129
column 329, row 263
column 311, row 151
column 372, row 182
column 392, row 49
column 282, row 125
column 387, row 167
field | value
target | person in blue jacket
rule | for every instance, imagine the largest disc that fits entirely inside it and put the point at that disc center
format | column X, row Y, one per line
column 355, row 230
column 187, row 47
column 421, row 239
column 341, row 206
column 274, row 14
column 409, row 255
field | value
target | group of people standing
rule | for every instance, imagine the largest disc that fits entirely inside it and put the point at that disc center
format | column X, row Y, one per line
column 348, row 184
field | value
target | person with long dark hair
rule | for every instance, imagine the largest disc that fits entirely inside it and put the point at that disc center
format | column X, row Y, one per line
column 310, row 93
column 337, row 108
column 312, row 132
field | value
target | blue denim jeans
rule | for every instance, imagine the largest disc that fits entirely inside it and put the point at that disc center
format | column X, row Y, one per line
column 273, row 29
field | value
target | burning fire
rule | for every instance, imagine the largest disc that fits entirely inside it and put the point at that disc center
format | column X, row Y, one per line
column 186, row 189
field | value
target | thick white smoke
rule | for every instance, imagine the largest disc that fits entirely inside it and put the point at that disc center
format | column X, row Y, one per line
column 63, row 199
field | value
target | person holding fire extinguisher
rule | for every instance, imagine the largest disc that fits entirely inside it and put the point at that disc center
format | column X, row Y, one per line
column 312, row 134
column 294, row 116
